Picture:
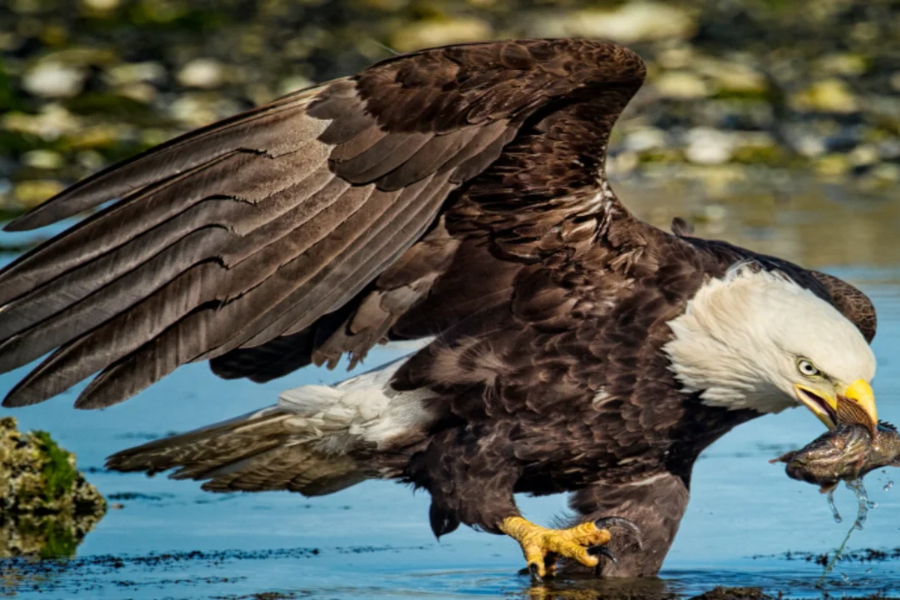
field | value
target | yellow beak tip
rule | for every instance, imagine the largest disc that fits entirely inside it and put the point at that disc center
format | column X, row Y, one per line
column 860, row 393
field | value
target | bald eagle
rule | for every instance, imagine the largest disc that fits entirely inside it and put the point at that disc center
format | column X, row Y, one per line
column 456, row 194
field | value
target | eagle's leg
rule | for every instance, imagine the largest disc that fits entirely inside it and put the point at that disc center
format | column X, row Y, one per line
column 542, row 546
column 471, row 479
column 655, row 503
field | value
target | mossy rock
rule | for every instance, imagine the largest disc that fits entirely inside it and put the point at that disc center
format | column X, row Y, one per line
column 774, row 156
column 46, row 505
column 661, row 156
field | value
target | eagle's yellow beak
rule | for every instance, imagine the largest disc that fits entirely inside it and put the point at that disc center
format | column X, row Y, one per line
column 855, row 405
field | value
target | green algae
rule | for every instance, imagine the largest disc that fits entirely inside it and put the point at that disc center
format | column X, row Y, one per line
column 59, row 474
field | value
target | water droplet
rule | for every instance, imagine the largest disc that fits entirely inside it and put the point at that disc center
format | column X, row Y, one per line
column 888, row 485
column 831, row 505
column 863, row 507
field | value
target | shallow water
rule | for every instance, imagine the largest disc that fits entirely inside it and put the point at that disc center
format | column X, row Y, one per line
column 170, row 540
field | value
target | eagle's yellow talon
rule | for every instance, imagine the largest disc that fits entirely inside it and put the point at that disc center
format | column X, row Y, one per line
column 542, row 546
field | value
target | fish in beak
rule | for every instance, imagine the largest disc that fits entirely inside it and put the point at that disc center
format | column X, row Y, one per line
column 854, row 405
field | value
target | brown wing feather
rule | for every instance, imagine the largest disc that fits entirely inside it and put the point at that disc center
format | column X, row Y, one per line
column 262, row 225
column 272, row 129
column 507, row 203
column 852, row 303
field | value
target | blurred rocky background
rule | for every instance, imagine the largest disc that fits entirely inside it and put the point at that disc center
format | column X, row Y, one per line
column 737, row 89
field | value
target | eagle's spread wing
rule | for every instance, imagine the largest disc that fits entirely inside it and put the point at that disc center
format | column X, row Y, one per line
column 294, row 226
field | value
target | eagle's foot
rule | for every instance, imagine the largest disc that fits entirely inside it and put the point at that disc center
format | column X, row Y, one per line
column 542, row 546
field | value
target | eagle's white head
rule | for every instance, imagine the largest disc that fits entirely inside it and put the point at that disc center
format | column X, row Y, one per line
column 755, row 339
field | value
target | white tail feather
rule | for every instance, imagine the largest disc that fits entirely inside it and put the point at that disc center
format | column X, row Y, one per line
column 305, row 443
column 363, row 409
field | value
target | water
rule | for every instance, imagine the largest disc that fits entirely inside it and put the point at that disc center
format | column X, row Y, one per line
column 170, row 540
column 863, row 506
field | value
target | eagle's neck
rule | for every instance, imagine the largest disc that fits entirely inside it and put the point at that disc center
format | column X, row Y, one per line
column 720, row 350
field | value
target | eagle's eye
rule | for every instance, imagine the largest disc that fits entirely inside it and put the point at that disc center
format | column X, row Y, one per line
column 807, row 369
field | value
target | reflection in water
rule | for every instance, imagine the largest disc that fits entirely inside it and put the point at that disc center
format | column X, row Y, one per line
column 593, row 589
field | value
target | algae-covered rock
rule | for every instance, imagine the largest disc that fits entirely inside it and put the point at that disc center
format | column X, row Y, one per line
column 828, row 95
column 31, row 193
column 46, row 505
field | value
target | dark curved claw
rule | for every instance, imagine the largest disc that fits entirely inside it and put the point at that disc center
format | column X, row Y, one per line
column 621, row 523
column 533, row 569
column 603, row 551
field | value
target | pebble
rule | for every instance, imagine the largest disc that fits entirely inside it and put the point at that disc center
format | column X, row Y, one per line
column 828, row 95
column 889, row 149
column 832, row 165
column 709, row 146
column 141, row 72
column 886, row 172
column 54, row 80
column 885, row 110
column 733, row 77
column 629, row 23
column 809, row 145
column 52, row 122
column 100, row 5
column 622, row 163
column 440, row 32
column 31, row 193
column 100, row 136
column 681, row 85
column 850, row 65
column 196, row 110
column 139, row 92
column 90, row 160
column 644, row 139
column 204, row 73
column 43, row 159
column 292, row 84
column 713, row 213
column 679, row 57
column 864, row 155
